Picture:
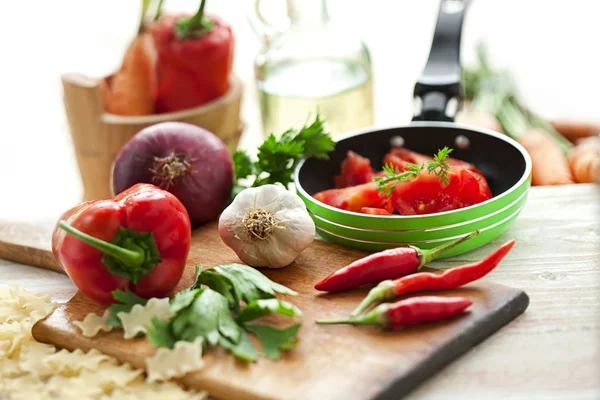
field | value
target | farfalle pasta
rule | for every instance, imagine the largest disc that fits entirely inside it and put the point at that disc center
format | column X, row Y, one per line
column 33, row 370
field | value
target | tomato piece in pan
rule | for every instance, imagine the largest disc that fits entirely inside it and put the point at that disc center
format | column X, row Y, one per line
column 427, row 194
column 355, row 170
column 375, row 211
column 354, row 198
column 419, row 159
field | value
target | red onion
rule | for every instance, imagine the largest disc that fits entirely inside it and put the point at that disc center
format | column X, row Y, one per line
column 184, row 159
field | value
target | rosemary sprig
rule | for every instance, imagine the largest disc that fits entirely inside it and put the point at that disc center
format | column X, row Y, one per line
column 392, row 176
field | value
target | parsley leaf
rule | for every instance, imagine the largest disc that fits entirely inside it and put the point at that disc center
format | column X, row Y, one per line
column 183, row 299
column 244, row 167
column 127, row 299
column 243, row 349
column 208, row 317
column 274, row 340
column 249, row 284
column 260, row 308
column 277, row 158
column 160, row 334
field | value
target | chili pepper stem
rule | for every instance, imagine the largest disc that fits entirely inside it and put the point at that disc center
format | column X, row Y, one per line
column 382, row 292
column 377, row 316
column 426, row 256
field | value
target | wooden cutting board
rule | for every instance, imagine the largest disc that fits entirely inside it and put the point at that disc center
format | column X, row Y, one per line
column 330, row 362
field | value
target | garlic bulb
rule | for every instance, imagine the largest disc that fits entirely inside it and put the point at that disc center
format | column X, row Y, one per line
column 267, row 226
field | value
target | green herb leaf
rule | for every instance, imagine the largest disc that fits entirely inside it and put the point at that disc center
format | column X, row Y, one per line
column 249, row 284
column 160, row 334
column 208, row 317
column 183, row 299
column 274, row 340
column 440, row 166
column 260, row 308
column 128, row 299
column 387, row 183
column 243, row 349
column 221, row 284
column 243, row 165
column 316, row 142
column 277, row 158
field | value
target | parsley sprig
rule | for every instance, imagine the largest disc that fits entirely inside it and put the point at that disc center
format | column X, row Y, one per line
column 392, row 176
column 223, row 306
column 277, row 157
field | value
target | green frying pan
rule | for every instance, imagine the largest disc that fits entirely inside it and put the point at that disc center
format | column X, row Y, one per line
column 505, row 163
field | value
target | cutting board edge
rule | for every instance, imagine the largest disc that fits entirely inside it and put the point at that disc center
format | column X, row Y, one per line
column 459, row 346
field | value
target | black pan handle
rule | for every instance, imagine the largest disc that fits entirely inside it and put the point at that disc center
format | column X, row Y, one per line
column 440, row 81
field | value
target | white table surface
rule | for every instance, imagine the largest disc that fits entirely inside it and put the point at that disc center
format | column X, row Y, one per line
column 552, row 352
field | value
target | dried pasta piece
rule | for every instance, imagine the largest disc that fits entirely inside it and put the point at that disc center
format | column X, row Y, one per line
column 156, row 391
column 74, row 387
column 70, row 363
column 111, row 376
column 25, row 387
column 9, row 368
column 139, row 319
column 31, row 356
column 170, row 363
column 94, row 323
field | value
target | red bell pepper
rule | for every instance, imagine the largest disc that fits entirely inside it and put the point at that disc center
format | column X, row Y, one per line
column 139, row 240
column 195, row 56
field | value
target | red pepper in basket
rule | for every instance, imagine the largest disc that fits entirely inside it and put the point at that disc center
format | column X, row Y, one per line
column 195, row 56
column 139, row 240
column 415, row 310
column 449, row 279
column 387, row 264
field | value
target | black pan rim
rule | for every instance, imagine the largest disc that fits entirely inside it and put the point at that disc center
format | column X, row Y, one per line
column 425, row 124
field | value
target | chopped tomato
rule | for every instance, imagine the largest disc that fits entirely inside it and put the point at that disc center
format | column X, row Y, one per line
column 419, row 159
column 354, row 198
column 355, row 170
column 395, row 161
column 374, row 211
column 426, row 194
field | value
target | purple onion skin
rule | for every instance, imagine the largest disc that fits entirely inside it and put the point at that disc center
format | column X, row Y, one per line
column 204, row 188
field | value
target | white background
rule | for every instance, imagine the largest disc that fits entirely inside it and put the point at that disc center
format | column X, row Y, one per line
column 551, row 47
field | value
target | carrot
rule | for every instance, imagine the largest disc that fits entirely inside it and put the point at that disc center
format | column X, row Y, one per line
column 576, row 130
column 132, row 90
column 584, row 160
column 479, row 119
column 550, row 166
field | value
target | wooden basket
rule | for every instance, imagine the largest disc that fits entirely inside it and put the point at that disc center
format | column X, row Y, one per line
column 99, row 136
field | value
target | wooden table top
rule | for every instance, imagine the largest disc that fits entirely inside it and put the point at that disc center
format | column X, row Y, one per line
column 550, row 352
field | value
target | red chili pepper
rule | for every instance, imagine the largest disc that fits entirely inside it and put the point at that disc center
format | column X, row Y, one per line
column 387, row 264
column 449, row 279
column 139, row 240
column 407, row 312
column 195, row 56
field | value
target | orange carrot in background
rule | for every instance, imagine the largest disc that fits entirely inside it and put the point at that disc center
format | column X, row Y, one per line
column 584, row 160
column 550, row 165
column 573, row 130
column 132, row 90
column 479, row 119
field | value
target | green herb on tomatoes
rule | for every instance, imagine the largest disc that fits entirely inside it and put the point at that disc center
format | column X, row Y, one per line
column 277, row 158
column 393, row 176
column 218, row 307
column 439, row 167
column 126, row 301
